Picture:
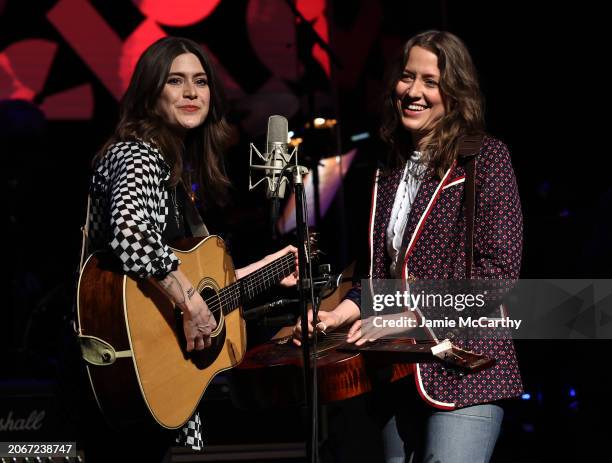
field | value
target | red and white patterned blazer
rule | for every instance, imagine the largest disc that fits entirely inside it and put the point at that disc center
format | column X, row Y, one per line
column 437, row 230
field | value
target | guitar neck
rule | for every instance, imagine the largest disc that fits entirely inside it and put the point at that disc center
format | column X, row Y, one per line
column 398, row 350
column 250, row 286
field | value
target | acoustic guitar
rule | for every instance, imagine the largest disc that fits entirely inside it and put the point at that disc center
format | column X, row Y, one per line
column 453, row 358
column 132, row 339
column 271, row 373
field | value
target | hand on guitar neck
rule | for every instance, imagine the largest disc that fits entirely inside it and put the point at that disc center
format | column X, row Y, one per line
column 198, row 321
column 288, row 281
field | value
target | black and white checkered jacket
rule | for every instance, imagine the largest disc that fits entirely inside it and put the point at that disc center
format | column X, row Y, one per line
column 129, row 208
column 128, row 213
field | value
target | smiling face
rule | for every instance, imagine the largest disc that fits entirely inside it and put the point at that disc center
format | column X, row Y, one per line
column 417, row 94
column 185, row 98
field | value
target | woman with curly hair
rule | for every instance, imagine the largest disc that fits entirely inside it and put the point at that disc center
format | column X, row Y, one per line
column 433, row 109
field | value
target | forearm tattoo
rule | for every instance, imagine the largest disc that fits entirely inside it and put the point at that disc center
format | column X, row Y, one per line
column 167, row 284
column 190, row 292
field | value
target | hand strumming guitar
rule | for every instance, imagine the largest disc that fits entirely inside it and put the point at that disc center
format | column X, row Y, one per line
column 198, row 320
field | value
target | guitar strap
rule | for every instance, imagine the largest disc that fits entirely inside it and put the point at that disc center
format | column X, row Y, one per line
column 84, row 233
column 192, row 216
column 470, row 206
column 469, row 147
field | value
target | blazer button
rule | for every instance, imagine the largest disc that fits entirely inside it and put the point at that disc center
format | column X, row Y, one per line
column 411, row 278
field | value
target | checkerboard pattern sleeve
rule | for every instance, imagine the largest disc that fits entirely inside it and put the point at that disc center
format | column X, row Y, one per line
column 129, row 209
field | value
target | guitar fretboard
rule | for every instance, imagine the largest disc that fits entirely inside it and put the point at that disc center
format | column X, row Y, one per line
column 245, row 289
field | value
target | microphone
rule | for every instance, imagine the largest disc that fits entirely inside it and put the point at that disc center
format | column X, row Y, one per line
column 275, row 158
column 276, row 151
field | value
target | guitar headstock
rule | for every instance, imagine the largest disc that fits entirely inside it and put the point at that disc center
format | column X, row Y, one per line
column 313, row 244
column 460, row 360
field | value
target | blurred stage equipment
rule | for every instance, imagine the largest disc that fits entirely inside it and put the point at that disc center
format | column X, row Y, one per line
column 324, row 286
column 331, row 172
column 264, row 309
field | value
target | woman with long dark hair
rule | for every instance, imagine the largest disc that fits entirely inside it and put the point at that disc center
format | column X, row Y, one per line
column 432, row 106
column 165, row 154
column 170, row 136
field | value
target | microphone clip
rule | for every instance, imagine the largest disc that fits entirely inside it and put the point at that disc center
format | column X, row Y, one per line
column 274, row 165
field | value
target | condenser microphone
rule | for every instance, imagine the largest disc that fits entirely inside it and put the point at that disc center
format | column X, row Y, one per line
column 274, row 162
column 276, row 155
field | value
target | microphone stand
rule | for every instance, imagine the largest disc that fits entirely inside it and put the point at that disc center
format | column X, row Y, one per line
column 305, row 282
column 305, row 279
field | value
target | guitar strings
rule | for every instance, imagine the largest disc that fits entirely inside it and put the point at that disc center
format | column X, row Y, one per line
column 341, row 334
column 268, row 275
column 267, row 271
column 249, row 283
column 231, row 293
column 327, row 341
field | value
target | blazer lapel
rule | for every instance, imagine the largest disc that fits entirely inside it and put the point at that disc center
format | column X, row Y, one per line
column 424, row 203
column 426, row 191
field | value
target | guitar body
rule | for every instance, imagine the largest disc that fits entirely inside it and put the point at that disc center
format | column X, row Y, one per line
column 271, row 374
column 133, row 343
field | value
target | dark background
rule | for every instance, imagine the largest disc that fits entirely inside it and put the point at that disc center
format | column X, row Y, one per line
column 542, row 72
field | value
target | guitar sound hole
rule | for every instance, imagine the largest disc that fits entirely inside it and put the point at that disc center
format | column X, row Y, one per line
column 211, row 298
column 204, row 358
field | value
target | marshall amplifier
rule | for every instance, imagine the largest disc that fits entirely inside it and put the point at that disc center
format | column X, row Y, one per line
column 29, row 411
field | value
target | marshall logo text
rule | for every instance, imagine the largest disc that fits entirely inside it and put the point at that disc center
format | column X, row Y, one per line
column 33, row 422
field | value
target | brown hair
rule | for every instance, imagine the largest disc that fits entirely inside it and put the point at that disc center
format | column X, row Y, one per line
column 463, row 102
column 202, row 148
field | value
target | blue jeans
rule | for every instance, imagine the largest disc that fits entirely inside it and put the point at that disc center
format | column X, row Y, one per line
column 419, row 433
column 465, row 435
